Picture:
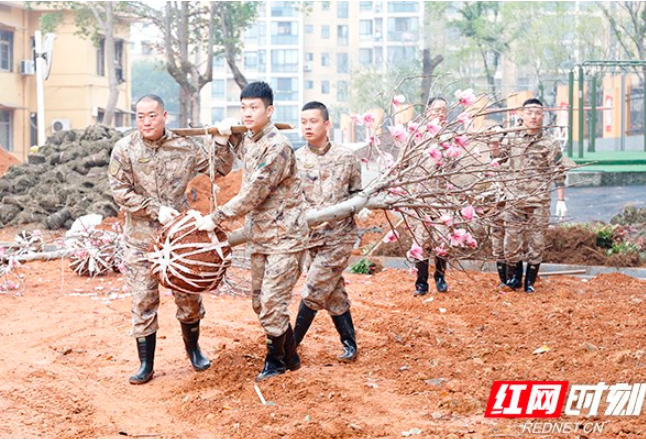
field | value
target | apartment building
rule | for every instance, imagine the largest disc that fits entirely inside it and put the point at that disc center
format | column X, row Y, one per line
column 76, row 91
column 308, row 51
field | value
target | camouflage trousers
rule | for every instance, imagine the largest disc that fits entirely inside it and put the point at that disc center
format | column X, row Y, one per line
column 272, row 281
column 525, row 229
column 145, row 295
column 325, row 285
column 497, row 237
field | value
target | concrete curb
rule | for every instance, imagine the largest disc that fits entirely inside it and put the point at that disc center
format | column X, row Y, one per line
column 490, row 266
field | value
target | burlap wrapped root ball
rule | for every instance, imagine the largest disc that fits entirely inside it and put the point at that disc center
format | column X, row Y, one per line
column 187, row 260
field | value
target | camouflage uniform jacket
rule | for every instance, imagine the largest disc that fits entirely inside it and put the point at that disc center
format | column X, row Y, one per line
column 145, row 175
column 329, row 176
column 271, row 195
column 533, row 162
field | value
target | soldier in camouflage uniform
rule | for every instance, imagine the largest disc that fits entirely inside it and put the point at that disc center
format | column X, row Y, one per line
column 272, row 201
column 330, row 174
column 436, row 109
column 149, row 173
column 534, row 161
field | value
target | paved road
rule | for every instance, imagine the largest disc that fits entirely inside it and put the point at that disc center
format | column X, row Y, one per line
column 601, row 202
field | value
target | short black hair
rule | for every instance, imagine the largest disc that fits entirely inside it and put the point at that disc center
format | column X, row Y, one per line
column 432, row 99
column 151, row 97
column 315, row 105
column 258, row 89
column 534, row 101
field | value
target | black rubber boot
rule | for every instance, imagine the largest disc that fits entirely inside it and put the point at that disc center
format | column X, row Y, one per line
column 440, row 270
column 303, row 322
column 421, row 285
column 292, row 360
column 191, row 334
column 502, row 273
column 146, row 350
column 516, row 279
column 344, row 326
column 530, row 277
column 275, row 359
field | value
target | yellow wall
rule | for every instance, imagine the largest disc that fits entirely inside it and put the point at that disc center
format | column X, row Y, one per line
column 73, row 90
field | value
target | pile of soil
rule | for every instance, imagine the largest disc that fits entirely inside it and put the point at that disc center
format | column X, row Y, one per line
column 6, row 161
column 425, row 367
column 572, row 244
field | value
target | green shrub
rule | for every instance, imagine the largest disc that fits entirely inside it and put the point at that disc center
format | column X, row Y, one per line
column 363, row 266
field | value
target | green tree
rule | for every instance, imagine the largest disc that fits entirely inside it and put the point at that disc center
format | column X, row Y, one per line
column 96, row 20
column 194, row 33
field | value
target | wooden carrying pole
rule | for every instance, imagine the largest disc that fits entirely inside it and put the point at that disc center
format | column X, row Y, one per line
column 237, row 129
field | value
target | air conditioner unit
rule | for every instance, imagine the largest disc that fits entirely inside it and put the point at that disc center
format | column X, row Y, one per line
column 27, row 67
column 307, row 67
column 60, row 125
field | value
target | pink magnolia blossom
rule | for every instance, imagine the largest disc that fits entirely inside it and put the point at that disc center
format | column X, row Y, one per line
column 454, row 151
column 462, row 141
column 449, row 186
column 106, row 240
column 14, row 263
column 416, row 130
column 465, row 118
column 398, row 100
column 415, row 252
column 446, row 219
column 121, row 267
column 433, row 127
column 37, row 233
column 445, row 145
column 412, row 270
column 427, row 220
column 12, row 285
column 435, row 155
column 398, row 191
column 2, row 251
column 441, row 251
column 465, row 97
column 368, row 119
column 374, row 140
column 457, row 237
column 364, row 160
column 479, row 210
column 391, row 236
column 468, row 212
column 470, row 241
column 356, row 118
column 398, row 132
column 495, row 163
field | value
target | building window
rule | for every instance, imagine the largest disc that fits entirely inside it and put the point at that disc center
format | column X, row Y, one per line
column 401, row 54
column 403, row 6
column 325, row 32
column 342, row 9
column 217, row 114
column 285, row 89
column 402, row 29
column 325, row 59
column 365, row 6
column 6, row 51
column 284, row 60
column 309, row 56
column 365, row 29
column 217, row 88
column 282, row 9
column 342, row 35
column 365, row 57
column 309, row 28
column 342, row 63
column 5, row 130
column 100, row 58
column 251, row 60
column 309, row 85
column 284, row 32
column 286, row 113
column 118, row 59
column 325, row 6
column 325, row 87
column 262, row 60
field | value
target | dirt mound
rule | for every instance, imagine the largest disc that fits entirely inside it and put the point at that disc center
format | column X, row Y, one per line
column 6, row 161
column 199, row 190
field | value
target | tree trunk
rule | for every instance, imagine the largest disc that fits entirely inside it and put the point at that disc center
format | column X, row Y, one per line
column 428, row 67
column 107, row 24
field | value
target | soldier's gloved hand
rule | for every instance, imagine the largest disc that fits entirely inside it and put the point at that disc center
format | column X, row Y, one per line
column 205, row 223
column 166, row 214
column 224, row 127
column 561, row 209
